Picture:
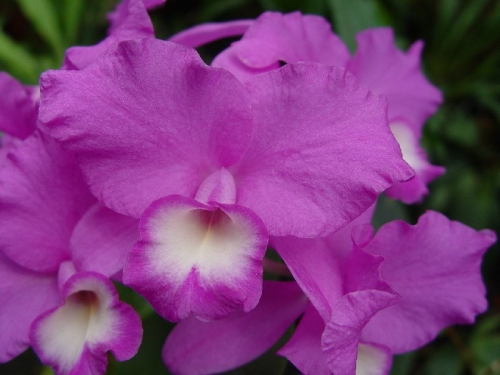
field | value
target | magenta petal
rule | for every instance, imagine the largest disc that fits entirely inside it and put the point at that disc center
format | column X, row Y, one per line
column 102, row 240
column 290, row 38
column 435, row 267
column 162, row 121
column 275, row 38
column 386, row 70
column 130, row 17
column 129, row 20
column 322, row 150
column 304, row 348
column 202, row 34
column 316, row 268
column 341, row 338
column 75, row 337
column 42, row 197
column 326, row 268
column 199, row 260
column 195, row 347
column 24, row 295
column 18, row 110
column 229, row 60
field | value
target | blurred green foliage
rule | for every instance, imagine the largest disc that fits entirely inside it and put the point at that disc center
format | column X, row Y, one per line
column 462, row 57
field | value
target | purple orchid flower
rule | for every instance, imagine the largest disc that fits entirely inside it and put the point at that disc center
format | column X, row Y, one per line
column 274, row 38
column 355, row 321
column 212, row 166
column 58, row 248
column 433, row 266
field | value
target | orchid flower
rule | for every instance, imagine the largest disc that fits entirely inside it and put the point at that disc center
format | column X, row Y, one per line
column 58, row 248
column 212, row 167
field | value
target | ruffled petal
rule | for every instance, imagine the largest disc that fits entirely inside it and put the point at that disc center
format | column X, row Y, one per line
column 195, row 259
column 435, row 267
column 292, row 37
column 315, row 267
column 129, row 14
column 129, row 20
column 221, row 345
column 42, row 197
column 75, row 337
column 102, row 240
column 161, row 121
column 24, row 295
column 386, row 70
column 322, row 150
column 18, row 109
column 209, row 32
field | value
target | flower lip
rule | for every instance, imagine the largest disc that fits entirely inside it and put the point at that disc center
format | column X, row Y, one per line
column 197, row 259
column 76, row 335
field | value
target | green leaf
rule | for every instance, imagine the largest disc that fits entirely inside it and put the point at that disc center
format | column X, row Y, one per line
column 214, row 9
column 486, row 326
column 352, row 16
column 73, row 12
column 44, row 17
column 46, row 370
column 445, row 360
column 486, row 355
column 129, row 296
column 310, row 6
column 388, row 210
column 403, row 364
column 462, row 24
column 17, row 60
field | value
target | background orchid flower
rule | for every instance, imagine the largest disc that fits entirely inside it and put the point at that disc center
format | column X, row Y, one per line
column 434, row 267
column 275, row 38
column 213, row 166
column 58, row 248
